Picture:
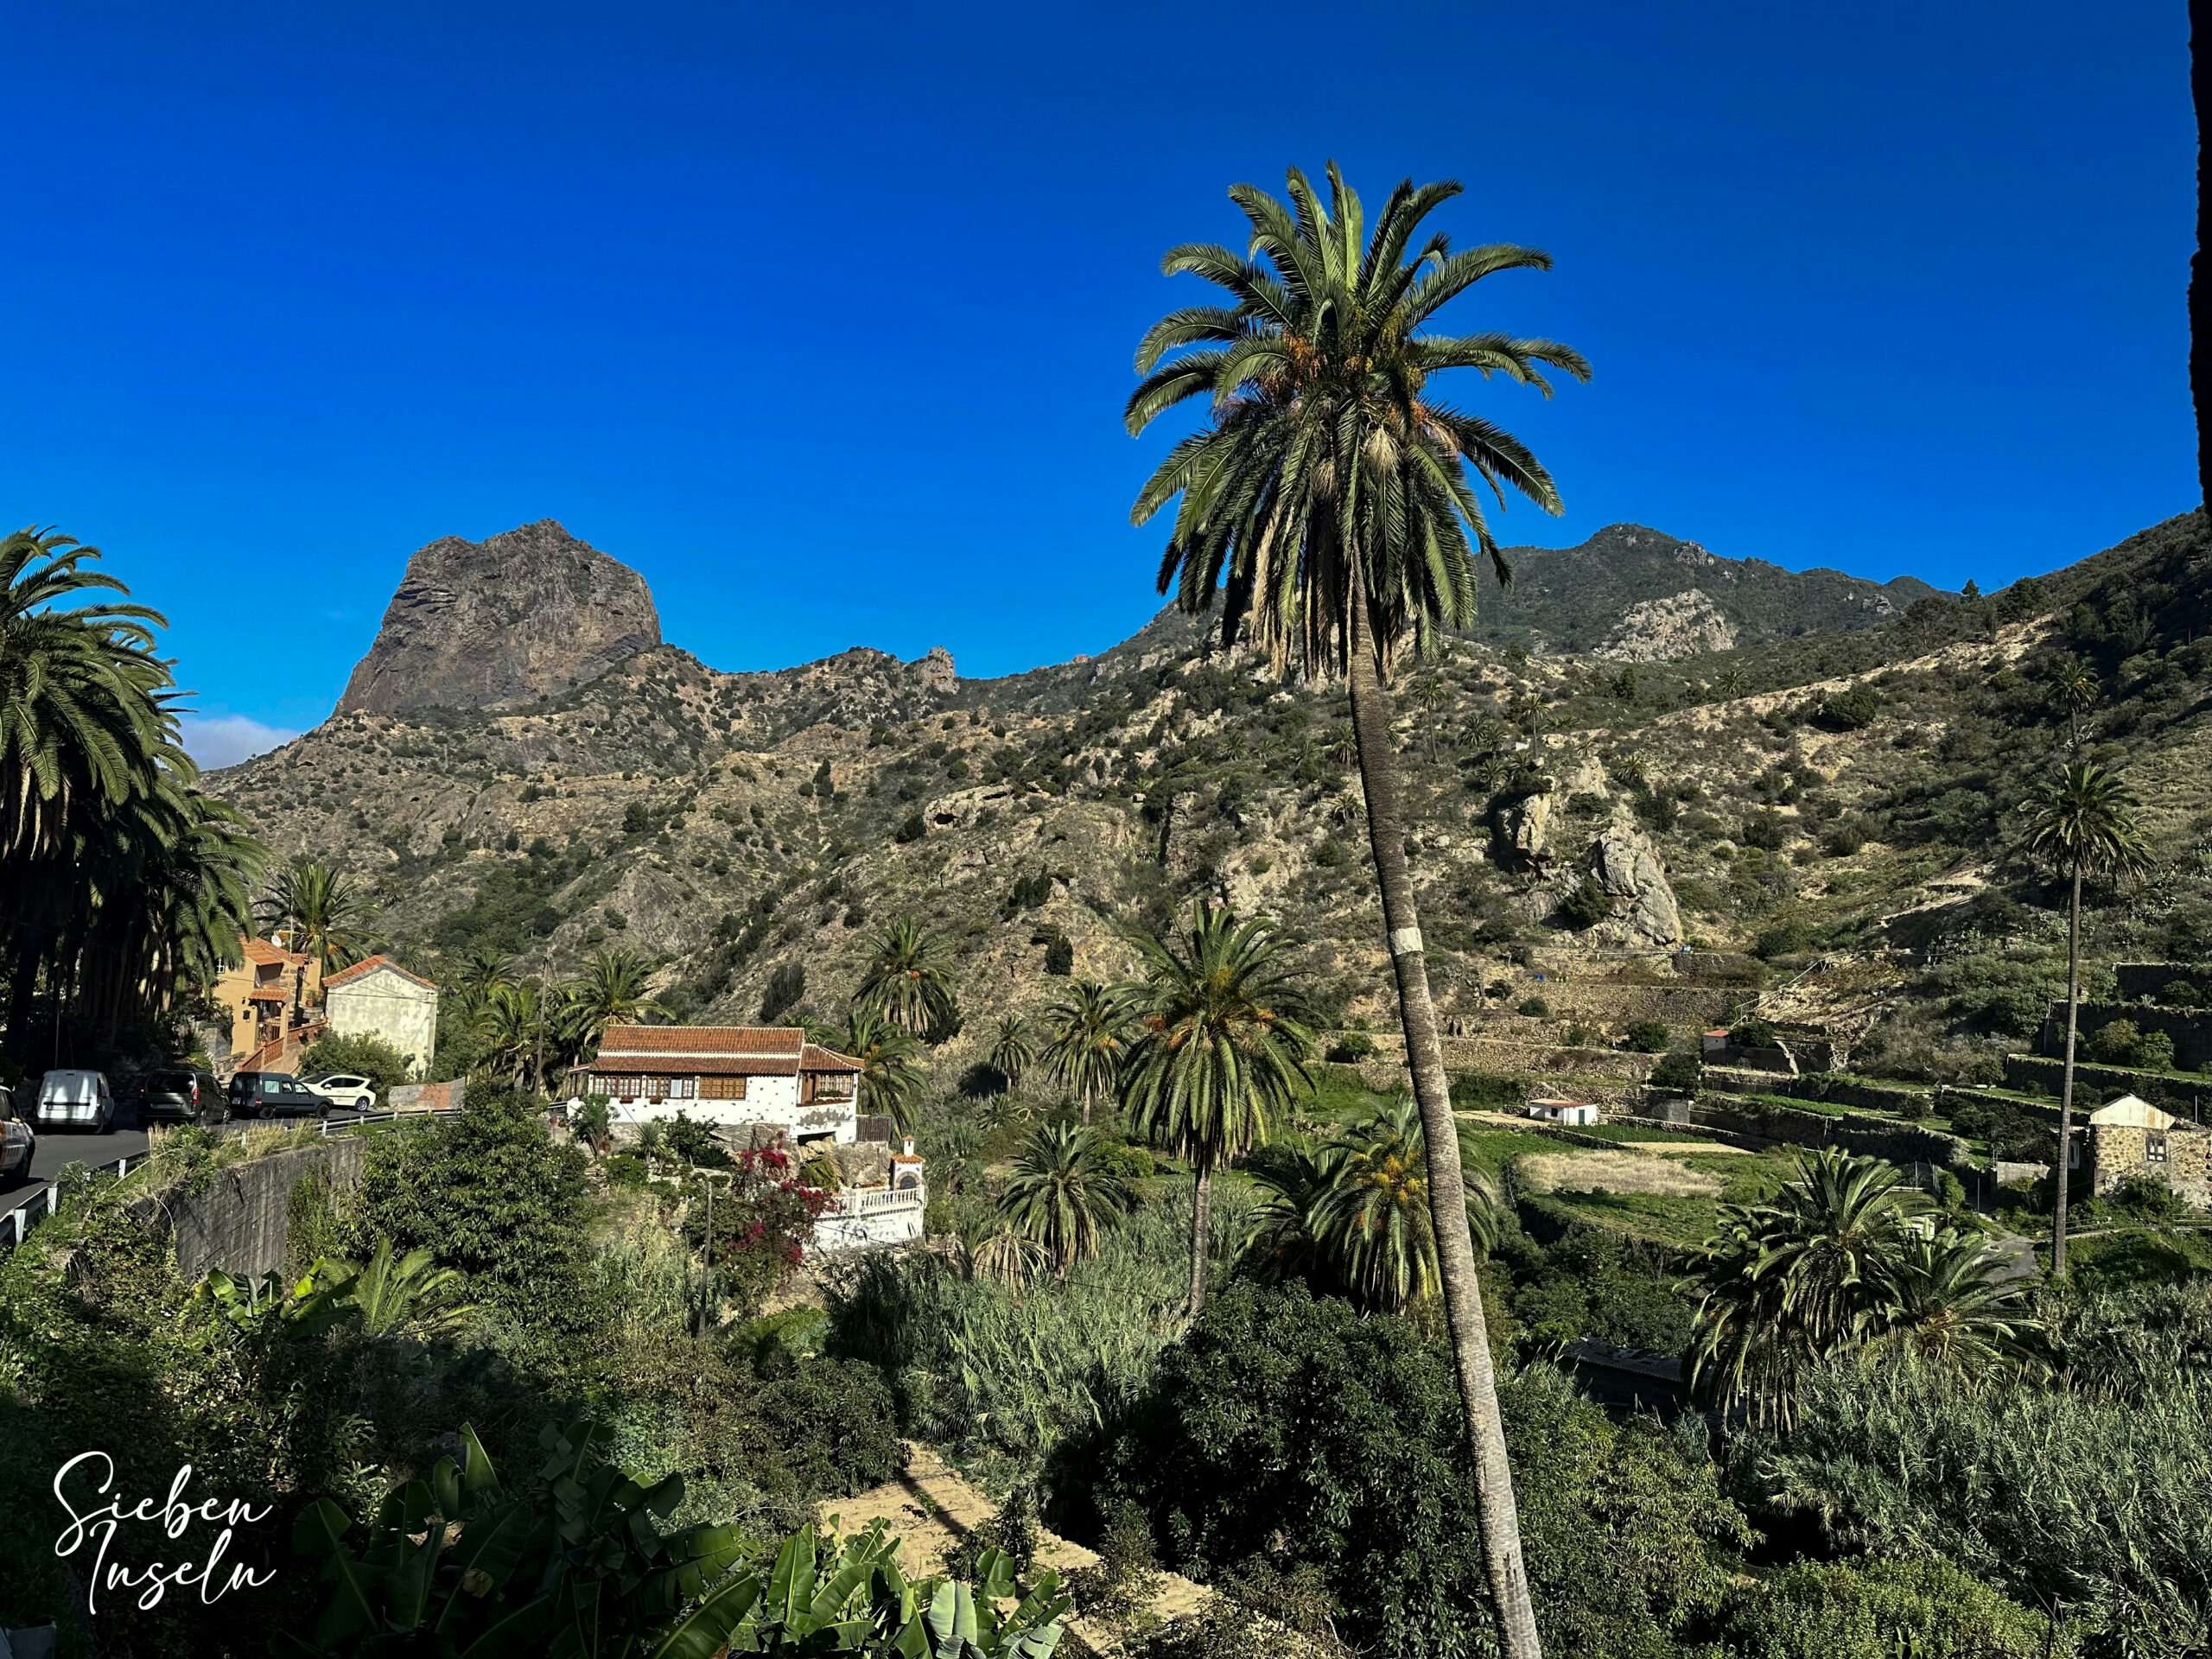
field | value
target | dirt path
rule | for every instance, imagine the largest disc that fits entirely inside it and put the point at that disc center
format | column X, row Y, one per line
column 1720, row 1146
column 932, row 1507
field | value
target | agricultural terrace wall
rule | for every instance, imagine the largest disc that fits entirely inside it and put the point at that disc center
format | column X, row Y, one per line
column 1898, row 1143
column 1895, row 1099
column 2192, row 1032
column 2145, row 982
column 2034, row 1073
column 1386, row 1069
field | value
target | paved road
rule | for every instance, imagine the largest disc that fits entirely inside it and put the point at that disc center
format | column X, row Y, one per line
column 58, row 1147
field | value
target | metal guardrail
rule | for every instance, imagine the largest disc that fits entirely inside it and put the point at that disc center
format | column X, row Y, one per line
column 16, row 1224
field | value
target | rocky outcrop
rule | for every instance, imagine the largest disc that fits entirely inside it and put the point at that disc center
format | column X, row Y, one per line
column 1628, row 867
column 1681, row 625
column 1527, row 828
column 509, row 619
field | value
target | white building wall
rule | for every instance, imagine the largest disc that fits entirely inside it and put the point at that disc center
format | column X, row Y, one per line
column 388, row 1007
column 869, row 1219
column 771, row 1101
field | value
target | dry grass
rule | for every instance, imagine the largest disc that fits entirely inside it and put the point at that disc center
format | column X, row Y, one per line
column 1616, row 1172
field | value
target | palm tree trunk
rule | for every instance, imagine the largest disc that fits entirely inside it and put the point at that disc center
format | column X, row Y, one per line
column 1447, row 1193
column 1201, row 1236
column 2060, row 1181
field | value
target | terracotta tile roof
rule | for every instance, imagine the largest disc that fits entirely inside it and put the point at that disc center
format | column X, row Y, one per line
column 260, row 950
column 826, row 1060
column 367, row 964
column 694, row 1065
column 660, row 1042
column 269, row 993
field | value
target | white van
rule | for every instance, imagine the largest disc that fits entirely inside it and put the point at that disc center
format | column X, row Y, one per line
column 75, row 1100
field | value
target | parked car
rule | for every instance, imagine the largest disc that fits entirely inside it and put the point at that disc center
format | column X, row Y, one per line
column 274, row 1094
column 182, row 1092
column 18, row 1145
column 76, row 1099
column 347, row 1088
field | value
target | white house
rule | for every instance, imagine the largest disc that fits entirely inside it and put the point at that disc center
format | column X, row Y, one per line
column 733, row 1076
column 1572, row 1114
column 376, row 997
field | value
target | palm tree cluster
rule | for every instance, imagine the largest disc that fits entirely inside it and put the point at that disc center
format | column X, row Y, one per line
column 1846, row 1258
column 1200, row 1050
column 127, row 887
column 1353, row 1216
column 529, row 1030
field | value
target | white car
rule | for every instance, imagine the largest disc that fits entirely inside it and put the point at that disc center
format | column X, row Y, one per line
column 347, row 1090
column 18, row 1145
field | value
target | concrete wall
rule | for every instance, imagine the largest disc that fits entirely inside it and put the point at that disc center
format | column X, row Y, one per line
column 390, row 1006
column 242, row 1221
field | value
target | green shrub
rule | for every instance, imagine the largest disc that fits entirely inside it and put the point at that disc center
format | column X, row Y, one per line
column 369, row 1057
column 1587, row 904
column 1352, row 1046
column 1647, row 1037
column 486, row 1191
column 1535, row 1007
column 785, row 986
column 1680, row 1071
column 1288, row 1428
column 1880, row 1609
column 912, row 829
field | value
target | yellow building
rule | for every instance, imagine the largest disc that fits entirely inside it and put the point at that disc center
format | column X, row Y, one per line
column 269, row 999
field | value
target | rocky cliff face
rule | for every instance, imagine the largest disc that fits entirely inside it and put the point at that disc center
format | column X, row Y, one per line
column 513, row 618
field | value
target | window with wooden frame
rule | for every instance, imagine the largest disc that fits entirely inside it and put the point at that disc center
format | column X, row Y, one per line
column 684, row 1088
column 721, row 1088
column 623, row 1088
column 830, row 1085
column 2154, row 1148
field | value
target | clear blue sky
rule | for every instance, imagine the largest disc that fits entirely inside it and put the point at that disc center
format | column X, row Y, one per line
column 822, row 317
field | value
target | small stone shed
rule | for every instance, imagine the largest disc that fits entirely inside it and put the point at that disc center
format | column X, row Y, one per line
column 2130, row 1137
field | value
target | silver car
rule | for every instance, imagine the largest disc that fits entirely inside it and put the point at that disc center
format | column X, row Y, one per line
column 71, row 1099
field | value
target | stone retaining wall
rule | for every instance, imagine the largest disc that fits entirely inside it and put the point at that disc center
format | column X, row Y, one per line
column 2033, row 1073
column 242, row 1221
column 2192, row 1032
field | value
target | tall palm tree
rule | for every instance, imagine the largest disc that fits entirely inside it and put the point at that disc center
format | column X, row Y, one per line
column 326, row 910
column 1372, row 1218
column 611, row 991
column 1064, row 1194
column 2081, row 823
column 1223, row 1043
column 2077, row 686
column 907, row 980
column 890, row 1079
column 80, row 716
column 1328, row 497
column 1013, row 1050
column 1087, row 1035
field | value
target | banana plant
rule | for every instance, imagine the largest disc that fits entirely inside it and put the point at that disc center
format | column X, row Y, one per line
column 573, row 1565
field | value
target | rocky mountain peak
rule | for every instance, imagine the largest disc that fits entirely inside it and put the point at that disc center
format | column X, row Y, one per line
column 516, row 617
